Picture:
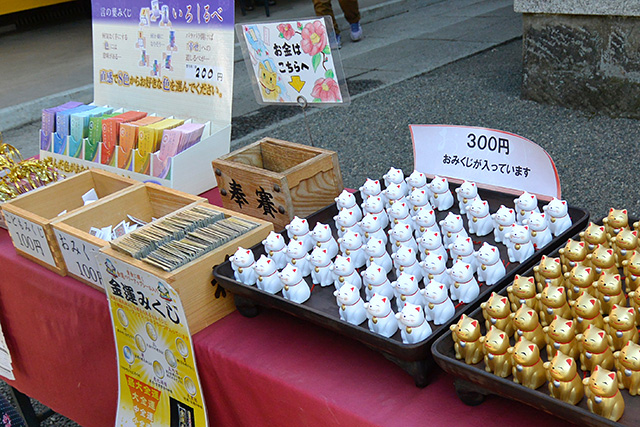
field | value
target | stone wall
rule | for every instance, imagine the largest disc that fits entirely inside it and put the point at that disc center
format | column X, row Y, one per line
column 587, row 60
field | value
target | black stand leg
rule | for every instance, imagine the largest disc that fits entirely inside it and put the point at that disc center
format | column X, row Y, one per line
column 245, row 306
column 26, row 409
column 469, row 393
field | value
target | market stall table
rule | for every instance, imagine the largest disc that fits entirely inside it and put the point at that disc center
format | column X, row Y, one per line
column 269, row 370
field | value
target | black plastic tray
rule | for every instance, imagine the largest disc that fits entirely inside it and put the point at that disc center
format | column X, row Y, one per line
column 322, row 310
column 474, row 383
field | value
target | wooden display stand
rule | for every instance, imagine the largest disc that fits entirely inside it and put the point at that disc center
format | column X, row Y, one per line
column 29, row 217
column 143, row 202
column 277, row 180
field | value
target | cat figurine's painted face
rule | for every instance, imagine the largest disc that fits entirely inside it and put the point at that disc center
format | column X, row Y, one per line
column 290, row 275
column 550, row 267
column 581, row 276
column 633, row 264
column 435, row 292
column 467, row 190
column 562, row 367
column 526, row 353
column 554, row 296
column 452, row 223
column 526, row 319
column 401, row 232
column 462, row 246
column 379, row 306
column 504, row 216
column 497, row 306
column 617, row 218
column 406, row 284
column 468, row 329
column 439, row 185
column 374, row 274
column 537, row 221
column 242, row 257
column 351, row 240
column 416, row 179
column 488, row 254
column 479, row 208
column 373, row 204
column 394, row 192
column 346, row 218
column 610, row 284
column 321, row 232
column 524, row 287
column 419, row 197
column 594, row 235
column 431, row 240
column 411, row 315
column 575, row 250
column 434, row 263
column 405, row 256
column 602, row 257
column 526, row 201
column 627, row 239
column 298, row 226
column 370, row 187
column 586, row 306
column 320, row 257
column 375, row 248
column 425, row 218
column 345, row 200
column 629, row 356
column 557, row 208
column 265, row 266
column 348, row 294
column 343, row 266
column 461, row 272
column 370, row 223
column 622, row 318
column 496, row 341
column 394, row 175
column 602, row 382
column 296, row 249
column 594, row 340
column 398, row 210
column 519, row 234
column 274, row 242
column 562, row 330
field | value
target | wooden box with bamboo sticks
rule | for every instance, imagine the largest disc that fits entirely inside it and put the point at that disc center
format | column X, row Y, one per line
column 30, row 215
column 276, row 180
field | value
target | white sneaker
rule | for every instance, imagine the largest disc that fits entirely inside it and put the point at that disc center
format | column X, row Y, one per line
column 356, row 32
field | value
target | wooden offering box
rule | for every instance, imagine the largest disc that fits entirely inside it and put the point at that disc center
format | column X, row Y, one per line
column 276, row 180
column 203, row 304
column 29, row 216
column 78, row 247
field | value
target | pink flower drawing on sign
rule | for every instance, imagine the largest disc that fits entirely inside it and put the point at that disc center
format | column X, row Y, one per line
column 287, row 31
column 314, row 38
column 326, row 90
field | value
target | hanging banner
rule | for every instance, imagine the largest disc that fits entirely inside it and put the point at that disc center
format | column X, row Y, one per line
column 157, row 375
column 498, row 159
column 294, row 62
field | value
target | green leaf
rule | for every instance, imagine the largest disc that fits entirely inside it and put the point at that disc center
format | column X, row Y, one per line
column 316, row 60
column 327, row 50
column 316, row 100
column 329, row 74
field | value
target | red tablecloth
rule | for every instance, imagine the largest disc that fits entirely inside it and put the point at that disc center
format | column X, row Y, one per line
column 270, row 370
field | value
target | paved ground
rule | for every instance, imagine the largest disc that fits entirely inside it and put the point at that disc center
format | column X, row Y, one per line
column 450, row 62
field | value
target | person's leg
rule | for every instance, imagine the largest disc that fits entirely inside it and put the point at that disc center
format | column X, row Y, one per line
column 352, row 15
column 323, row 8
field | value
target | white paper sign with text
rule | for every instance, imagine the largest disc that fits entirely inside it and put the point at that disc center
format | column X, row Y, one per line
column 496, row 158
column 29, row 237
column 80, row 257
